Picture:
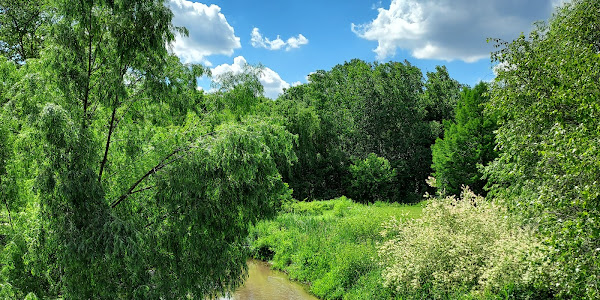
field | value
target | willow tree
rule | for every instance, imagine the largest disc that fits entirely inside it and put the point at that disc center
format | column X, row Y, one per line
column 131, row 195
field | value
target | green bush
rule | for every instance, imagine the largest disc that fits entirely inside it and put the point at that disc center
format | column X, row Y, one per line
column 372, row 179
column 462, row 247
column 547, row 97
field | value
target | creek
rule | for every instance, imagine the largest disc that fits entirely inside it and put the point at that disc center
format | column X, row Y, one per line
column 266, row 284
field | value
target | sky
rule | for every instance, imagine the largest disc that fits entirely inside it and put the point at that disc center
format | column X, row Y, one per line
column 292, row 39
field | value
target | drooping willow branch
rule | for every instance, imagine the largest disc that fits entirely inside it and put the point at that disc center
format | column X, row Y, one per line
column 163, row 217
column 163, row 163
column 7, row 210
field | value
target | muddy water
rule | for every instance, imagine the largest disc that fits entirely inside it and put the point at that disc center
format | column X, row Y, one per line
column 265, row 284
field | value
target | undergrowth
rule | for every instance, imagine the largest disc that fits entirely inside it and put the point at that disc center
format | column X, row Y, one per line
column 449, row 248
column 330, row 245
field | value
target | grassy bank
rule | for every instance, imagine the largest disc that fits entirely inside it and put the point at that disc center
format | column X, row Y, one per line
column 331, row 245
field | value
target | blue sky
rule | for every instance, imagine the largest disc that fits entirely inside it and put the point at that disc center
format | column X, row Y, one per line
column 294, row 38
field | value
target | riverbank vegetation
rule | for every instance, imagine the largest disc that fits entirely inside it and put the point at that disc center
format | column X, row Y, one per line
column 443, row 248
column 332, row 245
column 530, row 141
column 119, row 179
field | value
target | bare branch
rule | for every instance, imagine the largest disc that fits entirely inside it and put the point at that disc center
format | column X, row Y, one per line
column 110, row 132
column 143, row 189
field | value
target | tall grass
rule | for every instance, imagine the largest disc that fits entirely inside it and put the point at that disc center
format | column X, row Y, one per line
column 331, row 245
column 452, row 248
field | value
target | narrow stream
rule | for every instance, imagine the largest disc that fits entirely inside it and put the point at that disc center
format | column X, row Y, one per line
column 266, row 284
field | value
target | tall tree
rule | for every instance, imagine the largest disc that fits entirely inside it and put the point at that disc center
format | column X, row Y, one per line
column 467, row 145
column 440, row 98
column 136, row 196
column 306, row 177
column 546, row 94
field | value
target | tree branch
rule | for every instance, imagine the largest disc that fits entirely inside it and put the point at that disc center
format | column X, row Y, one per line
column 143, row 189
column 110, row 132
column 163, row 163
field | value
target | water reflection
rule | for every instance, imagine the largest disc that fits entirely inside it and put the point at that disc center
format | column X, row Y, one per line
column 265, row 284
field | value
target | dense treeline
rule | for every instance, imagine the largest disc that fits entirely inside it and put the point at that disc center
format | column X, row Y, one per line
column 120, row 179
column 357, row 109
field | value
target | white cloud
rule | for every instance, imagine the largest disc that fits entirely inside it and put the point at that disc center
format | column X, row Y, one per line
column 296, row 42
column 209, row 32
column 297, row 83
column 236, row 68
column 560, row 2
column 271, row 81
column 450, row 29
column 258, row 41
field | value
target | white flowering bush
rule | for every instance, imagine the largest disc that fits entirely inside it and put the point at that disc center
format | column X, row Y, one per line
column 465, row 246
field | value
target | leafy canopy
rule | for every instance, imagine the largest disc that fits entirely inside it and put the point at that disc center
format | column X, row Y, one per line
column 468, row 144
column 546, row 97
column 117, row 182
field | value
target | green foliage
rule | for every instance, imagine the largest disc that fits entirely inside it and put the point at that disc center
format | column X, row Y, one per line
column 315, row 161
column 355, row 109
column 546, row 95
column 321, row 168
column 330, row 244
column 115, row 181
column 442, row 93
column 467, row 145
column 232, row 176
column 372, row 179
column 460, row 247
column 21, row 28
column 241, row 92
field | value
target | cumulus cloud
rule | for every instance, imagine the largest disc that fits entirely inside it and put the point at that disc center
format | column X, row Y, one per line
column 271, row 81
column 209, row 32
column 450, row 29
column 259, row 41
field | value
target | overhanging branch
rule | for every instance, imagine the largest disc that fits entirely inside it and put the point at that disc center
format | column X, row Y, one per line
column 163, row 163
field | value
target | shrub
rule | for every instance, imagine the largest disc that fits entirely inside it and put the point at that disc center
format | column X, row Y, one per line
column 372, row 179
column 461, row 247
